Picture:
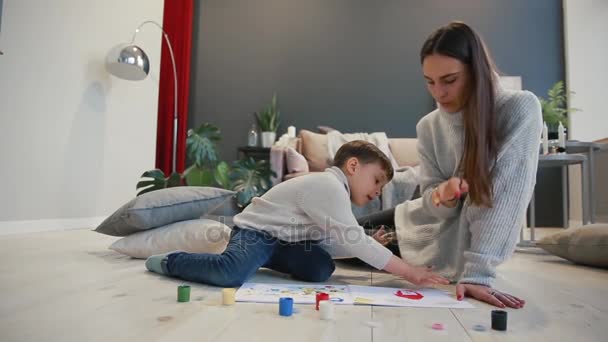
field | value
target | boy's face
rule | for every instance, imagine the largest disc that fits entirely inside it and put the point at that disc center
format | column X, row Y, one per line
column 365, row 181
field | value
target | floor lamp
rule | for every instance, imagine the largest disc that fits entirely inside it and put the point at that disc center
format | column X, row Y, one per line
column 130, row 62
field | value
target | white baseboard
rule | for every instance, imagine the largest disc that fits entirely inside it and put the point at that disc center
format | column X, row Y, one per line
column 575, row 223
column 35, row 226
column 601, row 218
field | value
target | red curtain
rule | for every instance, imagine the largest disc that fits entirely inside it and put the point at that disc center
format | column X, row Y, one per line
column 177, row 22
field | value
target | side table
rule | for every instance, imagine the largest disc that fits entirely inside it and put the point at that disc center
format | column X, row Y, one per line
column 574, row 146
column 255, row 152
column 560, row 160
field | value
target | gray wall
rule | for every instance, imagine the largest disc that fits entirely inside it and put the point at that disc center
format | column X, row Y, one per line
column 350, row 64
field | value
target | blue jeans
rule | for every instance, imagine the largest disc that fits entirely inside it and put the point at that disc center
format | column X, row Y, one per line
column 247, row 251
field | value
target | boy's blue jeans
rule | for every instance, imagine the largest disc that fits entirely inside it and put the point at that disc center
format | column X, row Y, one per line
column 247, row 251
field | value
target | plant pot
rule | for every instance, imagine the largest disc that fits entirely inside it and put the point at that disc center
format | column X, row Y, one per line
column 268, row 138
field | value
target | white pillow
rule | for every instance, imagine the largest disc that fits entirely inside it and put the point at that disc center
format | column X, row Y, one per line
column 295, row 161
column 194, row 236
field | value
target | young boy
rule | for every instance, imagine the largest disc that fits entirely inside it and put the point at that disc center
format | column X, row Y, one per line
column 299, row 225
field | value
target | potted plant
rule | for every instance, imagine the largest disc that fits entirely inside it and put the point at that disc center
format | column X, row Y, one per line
column 554, row 108
column 247, row 177
column 250, row 178
column 268, row 121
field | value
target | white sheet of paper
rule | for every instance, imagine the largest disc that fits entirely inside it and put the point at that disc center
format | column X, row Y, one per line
column 301, row 293
column 349, row 294
column 423, row 298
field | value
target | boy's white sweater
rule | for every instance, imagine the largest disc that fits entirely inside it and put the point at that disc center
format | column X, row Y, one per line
column 314, row 207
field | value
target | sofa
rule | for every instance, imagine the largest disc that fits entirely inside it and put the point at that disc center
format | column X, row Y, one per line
column 314, row 150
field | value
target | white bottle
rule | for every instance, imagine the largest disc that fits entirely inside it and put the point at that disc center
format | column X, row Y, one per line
column 253, row 137
column 291, row 131
column 545, row 138
column 561, row 136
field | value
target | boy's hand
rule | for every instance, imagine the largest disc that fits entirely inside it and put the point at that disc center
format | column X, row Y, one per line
column 383, row 237
column 423, row 276
column 420, row 276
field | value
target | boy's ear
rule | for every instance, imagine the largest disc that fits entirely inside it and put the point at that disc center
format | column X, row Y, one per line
column 351, row 165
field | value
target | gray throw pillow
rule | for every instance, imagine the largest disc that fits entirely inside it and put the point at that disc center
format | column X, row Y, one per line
column 228, row 207
column 161, row 207
column 587, row 245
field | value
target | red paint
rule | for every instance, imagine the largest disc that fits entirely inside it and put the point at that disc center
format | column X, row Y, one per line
column 321, row 296
column 413, row 295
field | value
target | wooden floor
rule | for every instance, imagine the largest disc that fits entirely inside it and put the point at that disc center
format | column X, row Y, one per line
column 67, row 286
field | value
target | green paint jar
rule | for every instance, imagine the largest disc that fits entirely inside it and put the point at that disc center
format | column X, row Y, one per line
column 183, row 293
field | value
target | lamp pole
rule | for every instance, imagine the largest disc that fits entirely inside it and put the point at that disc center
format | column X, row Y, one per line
column 174, row 161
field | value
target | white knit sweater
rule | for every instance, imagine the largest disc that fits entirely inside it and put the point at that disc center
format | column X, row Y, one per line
column 466, row 243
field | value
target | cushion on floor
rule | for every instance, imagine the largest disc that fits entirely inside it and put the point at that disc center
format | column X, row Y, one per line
column 587, row 245
column 194, row 236
column 161, row 207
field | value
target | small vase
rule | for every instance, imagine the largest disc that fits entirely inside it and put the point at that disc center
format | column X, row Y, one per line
column 268, row 138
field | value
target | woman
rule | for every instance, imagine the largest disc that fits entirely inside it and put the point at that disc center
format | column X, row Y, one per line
column 478, row 159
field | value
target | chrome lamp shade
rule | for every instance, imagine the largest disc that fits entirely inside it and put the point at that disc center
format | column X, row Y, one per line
column 128, row 62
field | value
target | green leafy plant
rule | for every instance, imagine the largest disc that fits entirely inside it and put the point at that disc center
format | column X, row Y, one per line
column 269, row 118
column 251, row 178
column 248, row 177
column 201, row 145
column 156, row 179
column 555, row 107
column 222, row 175
column 201, row 148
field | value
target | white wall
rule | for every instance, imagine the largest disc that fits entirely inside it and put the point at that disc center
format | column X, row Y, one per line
column 586, row 35
column 73, row 139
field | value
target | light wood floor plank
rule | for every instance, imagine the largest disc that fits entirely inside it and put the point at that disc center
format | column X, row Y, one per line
column 67, row 286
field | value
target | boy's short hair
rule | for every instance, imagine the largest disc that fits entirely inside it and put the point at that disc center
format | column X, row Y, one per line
column 366, row 153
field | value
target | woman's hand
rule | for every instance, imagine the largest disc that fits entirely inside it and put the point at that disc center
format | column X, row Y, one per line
column 449, row 192
column 489, row 295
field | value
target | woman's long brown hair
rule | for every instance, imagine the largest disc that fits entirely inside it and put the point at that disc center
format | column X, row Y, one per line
column 457, row 40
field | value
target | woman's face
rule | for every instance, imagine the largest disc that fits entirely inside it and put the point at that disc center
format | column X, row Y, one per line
column 447, row 80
